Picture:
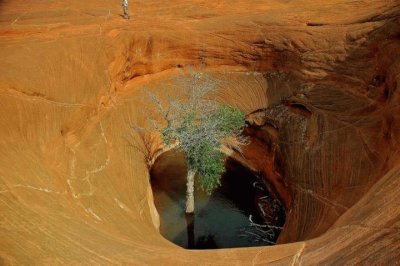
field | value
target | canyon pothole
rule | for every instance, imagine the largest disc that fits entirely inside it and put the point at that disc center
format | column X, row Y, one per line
column 239, row 213
column 300, row 133
column 74, row 192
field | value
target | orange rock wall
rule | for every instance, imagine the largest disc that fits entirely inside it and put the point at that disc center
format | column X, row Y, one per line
column 74, row 191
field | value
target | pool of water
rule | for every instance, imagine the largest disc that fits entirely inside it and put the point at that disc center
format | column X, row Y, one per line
column 221, row 220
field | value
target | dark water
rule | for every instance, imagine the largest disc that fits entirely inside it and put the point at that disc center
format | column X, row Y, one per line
column 221, row 220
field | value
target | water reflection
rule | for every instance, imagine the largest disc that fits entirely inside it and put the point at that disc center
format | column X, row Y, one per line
column 219, row 219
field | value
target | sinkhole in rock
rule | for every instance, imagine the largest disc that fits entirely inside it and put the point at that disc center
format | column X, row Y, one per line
column 240, row 213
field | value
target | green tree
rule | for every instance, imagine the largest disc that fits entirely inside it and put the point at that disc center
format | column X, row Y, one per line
column 196, row 124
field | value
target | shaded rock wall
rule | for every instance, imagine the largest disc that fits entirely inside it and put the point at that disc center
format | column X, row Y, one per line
column 72, row 188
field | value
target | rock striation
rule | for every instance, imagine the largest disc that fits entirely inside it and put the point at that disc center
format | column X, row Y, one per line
column 319, row 81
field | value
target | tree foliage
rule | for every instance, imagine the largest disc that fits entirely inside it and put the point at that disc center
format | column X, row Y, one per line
column 196, row 123
column 199, row 138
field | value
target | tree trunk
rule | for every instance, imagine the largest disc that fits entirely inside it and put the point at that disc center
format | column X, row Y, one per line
column 189, row 191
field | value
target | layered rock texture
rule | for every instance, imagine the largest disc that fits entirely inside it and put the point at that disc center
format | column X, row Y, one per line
column 319, row 81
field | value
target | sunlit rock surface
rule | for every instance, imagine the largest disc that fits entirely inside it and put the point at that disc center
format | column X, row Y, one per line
column 323, row 76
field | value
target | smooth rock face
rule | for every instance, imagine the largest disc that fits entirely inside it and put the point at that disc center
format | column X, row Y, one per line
column 325, row 76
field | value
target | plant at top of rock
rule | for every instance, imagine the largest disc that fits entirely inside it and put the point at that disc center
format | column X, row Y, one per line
column 195, row 123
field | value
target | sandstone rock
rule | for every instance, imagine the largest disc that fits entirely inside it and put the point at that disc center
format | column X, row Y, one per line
column 323, row 76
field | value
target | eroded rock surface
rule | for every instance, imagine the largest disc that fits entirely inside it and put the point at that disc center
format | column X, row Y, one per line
column 320, row 79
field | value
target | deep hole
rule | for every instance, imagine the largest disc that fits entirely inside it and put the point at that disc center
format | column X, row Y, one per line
column 221, row 220
column 314, row 24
